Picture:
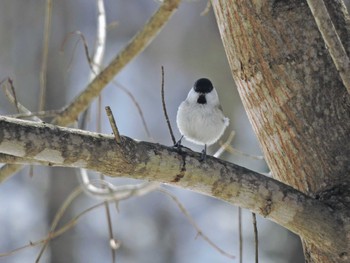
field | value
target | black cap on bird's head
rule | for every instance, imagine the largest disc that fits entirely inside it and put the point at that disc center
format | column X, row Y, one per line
column 203, row 86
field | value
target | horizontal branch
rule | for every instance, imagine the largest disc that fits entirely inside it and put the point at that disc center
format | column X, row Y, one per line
column 47, row 144
column 136, row 45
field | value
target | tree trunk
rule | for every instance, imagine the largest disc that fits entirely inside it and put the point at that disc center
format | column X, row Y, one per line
column 294, row 97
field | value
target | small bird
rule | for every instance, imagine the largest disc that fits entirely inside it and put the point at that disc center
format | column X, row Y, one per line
column 200, row 118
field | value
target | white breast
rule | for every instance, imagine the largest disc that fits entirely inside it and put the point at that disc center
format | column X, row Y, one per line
column 201, row 123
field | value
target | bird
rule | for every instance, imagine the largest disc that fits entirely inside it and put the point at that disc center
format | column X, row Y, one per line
column 200, row 118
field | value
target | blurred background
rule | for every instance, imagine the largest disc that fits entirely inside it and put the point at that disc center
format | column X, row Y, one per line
column 150, row 228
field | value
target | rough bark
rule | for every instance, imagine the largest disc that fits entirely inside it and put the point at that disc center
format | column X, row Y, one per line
column 294, row 98
column 31, row 142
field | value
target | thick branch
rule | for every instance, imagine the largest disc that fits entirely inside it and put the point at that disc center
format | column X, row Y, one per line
column 57, row 146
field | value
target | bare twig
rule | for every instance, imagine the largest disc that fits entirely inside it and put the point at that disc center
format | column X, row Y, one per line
column 43, row 114
column 104, row 190
column 332, row 40
column 232, row 150
column 7, row 170
column 240, row 235
column 86, row 49
column 194, row 224
column 100, row 39
column 55, row 234
column 12, row 97
column 256, row 238
column 112, row 240
column 10, row 81
column 137, row 105
column 207, row 8
column 58, row 217
column 224, row 146
column 9, row 253
column 165, row 111
column 43, row 70
column 70, row 63
column 112, row 25
column 113, row 124
column 135, row 46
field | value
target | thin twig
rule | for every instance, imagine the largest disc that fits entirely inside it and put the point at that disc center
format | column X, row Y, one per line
column 70, row 63
column 106, row 191
column 55, row 234
column 113, row 124
column 43, row 70
column 7, row 170
column 165, row 111
column 194, row 224
column 256, row 238
column 224, row 146
column 240, row 235
column 43, row 114
column 232, row 150
column 332, row 40
column 112, row 240
column 12, row 97
column 207, row 8
column 137, row 105
column 86, row 49
column 13, row 90
column 76, row 192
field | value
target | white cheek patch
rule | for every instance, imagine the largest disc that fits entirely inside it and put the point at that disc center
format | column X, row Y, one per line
column 48, row 155
column 13, row 148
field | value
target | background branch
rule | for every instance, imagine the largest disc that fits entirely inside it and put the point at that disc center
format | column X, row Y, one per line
column 135, row 46
column 332, row 40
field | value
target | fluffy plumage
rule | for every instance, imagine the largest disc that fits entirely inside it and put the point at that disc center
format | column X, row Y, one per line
column 200, row 118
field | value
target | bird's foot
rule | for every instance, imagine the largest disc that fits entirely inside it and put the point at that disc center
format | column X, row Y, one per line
column 204, row 154
column 178, row 144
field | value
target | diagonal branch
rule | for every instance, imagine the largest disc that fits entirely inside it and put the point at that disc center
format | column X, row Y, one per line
column 332, row 40
column 135, row 47
column 57, row 146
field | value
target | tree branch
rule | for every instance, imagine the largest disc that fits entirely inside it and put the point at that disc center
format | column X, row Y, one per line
column 58, row 146
column 134, row 47
column 332, row 40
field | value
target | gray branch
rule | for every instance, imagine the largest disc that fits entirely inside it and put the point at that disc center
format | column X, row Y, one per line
column 46, row 144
